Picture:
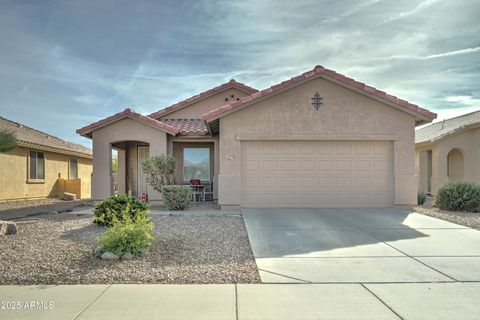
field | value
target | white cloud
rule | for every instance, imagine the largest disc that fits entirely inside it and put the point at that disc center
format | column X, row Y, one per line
column 88, row 99
column 421, row 6
column 430, row 56
column 352, row 10
column 452, row 53
column 465, row 100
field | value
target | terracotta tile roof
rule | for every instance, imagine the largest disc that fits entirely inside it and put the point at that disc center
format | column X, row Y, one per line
column 127, row 113
column 327, row 73
column 188, row 126
column 32, row 138
column 179, row 105
column 441, row 129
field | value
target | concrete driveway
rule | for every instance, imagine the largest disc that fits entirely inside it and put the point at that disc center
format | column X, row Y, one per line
column 360, row 246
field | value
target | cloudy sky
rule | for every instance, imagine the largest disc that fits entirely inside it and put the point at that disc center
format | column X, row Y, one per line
column 65, row 64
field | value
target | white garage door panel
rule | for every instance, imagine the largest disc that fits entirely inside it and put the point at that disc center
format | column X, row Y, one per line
column 316, row 174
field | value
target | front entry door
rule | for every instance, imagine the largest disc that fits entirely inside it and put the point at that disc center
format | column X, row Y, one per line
column 143, row 153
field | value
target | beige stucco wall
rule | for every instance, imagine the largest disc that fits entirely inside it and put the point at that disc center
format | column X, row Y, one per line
column 123, row 130
column 85, row 168
column 14, row 174
column 345, row 115
column 196, row 110
column 468, row 142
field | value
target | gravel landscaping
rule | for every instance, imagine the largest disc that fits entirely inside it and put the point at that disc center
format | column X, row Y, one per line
column 17, row 209
column 59, row 249
column 467, row 219
column 18, row 204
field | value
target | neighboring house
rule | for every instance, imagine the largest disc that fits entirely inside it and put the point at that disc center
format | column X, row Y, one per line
column 319, row 139
column 43, row 166
column 448, row 151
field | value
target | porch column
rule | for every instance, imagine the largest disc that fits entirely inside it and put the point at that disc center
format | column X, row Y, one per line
column 102, row 179
column 216, row 166
column 122, row 189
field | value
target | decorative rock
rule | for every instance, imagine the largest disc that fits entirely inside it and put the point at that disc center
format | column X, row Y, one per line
column 69, row 196
column 98, row 252
column 144, row 252
column 109, row 256
column 128, row 256
column 7, row 228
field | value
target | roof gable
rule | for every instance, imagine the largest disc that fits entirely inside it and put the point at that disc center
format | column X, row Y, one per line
column 202, row 96
column 422, row 115
column 127, row 113
column 32, row 138
column 442, row 129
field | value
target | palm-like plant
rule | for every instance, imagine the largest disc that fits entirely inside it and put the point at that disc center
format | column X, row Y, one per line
column 7, row 141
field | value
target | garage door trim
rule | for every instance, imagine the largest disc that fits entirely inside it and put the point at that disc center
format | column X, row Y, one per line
column 365, row 137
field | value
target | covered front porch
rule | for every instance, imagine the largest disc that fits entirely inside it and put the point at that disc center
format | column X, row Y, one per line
column 133, row 138
column 195, row 159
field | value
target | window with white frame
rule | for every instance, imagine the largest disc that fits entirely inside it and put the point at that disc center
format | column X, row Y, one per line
column 196, row 164
column 36, row 165
column 73, row 172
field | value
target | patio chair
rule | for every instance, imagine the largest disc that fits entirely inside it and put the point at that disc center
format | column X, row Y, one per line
column 208, row 192
column 197, row 192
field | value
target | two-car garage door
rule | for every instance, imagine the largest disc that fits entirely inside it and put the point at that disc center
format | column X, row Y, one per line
column 316, row 174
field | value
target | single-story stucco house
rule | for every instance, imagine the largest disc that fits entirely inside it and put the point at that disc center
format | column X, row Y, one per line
column 43, row 166
column 320, row 139
column 448, row 150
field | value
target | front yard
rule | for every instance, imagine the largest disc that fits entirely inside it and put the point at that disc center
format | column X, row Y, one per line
column 59, row 249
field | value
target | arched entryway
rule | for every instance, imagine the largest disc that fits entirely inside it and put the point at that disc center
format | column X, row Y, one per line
column 130, row 179
column 455, row 165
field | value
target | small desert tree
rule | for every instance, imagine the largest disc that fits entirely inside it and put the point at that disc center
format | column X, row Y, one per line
column 7, row 141
column 160, row 171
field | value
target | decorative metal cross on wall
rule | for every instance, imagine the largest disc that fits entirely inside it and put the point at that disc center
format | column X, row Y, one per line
column 317, row 101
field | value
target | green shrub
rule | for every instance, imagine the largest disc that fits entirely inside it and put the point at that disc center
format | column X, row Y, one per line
column 128, row 235
column 459, row 196
column 176, row 197
column 116, row 207
column 421, row 198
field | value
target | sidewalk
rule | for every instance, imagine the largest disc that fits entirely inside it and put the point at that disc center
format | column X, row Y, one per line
column 243, row 301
